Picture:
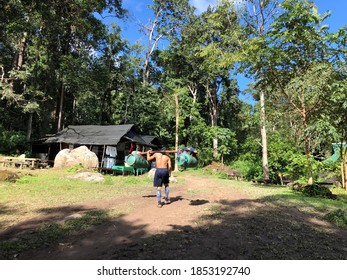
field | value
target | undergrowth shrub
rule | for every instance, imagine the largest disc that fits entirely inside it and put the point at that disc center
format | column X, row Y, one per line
column 338, row 217
column 248, row 168
column 315, row 190
column 12, row 141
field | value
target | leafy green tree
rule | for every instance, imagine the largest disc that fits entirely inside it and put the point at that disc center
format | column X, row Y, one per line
column 256, row 17
column 297, row 43
column 169, row 17
column 199, row 60
column 335, row 106
column 47, row 41
column 217, row 34
column 287, row 56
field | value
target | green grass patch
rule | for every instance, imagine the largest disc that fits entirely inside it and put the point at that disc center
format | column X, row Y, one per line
column 39, row 189
column 338, row 217
column 51, row 233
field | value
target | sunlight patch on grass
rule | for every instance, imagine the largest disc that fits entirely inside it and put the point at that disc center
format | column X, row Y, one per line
column 34, row 191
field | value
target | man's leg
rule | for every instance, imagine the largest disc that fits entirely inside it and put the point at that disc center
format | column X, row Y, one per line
column 167, row 191
column 159, row 196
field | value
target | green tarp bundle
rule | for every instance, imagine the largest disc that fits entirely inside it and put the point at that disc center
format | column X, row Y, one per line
column 186, row 160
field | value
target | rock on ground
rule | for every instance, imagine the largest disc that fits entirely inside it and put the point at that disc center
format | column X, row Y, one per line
column 81, row 155
column 88, row 177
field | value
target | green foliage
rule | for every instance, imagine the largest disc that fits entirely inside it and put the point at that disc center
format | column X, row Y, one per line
column 11, row 141
column 226, row 141
column 249, row 162
column 294, row 61
column 75, row 168
column 315, row 190
column 250, row 169
column 330, row 170
column 282, row 153
column 338, row 217
column 58, row 42
column 285, row 159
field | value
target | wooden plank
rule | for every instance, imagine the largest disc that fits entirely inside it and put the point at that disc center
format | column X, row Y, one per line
column 166, row 151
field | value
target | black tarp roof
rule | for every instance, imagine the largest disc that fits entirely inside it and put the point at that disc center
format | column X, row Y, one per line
column 153, row 140
column 96, row 135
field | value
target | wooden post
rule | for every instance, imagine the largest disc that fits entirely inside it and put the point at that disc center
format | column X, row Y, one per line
column 103, row 156
column 177, row 126
column 49, row 151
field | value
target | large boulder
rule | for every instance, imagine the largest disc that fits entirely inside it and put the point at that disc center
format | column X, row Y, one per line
column 81, row 155
column 151, row 173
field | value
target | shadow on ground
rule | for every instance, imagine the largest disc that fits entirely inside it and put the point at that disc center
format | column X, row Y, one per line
column 244, row 229
column 239, row 229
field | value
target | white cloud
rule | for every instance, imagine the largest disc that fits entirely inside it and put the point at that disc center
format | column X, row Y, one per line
column 202, row 5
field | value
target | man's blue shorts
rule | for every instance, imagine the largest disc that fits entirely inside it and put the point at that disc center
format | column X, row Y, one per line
column 161, row 177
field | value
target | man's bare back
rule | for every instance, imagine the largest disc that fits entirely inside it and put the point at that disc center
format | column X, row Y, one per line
column 161, row 160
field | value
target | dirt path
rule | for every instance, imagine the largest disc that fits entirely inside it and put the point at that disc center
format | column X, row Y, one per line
column 204, row 221
column 145, row 221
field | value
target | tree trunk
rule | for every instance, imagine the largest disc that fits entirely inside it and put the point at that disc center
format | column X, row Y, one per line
column 263, row 137
column 145, row 71
column 194, row 91
column 343, row 166
column 61, row 108
column 29, row 127
column 21, row 50
column 212, row 92
column 102, row 106
column 153, row 42
column 125, row 116
column 74, row 106
column 307, row 143
column 177, row 124
column 215, row 148
column 342, row 173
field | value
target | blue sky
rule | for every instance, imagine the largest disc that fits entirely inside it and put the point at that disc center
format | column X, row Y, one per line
column 140, row 13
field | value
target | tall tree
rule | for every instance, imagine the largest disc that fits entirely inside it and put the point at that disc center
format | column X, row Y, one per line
column 57, row 35
column 169, row 17
column 297, row 43
column 335, row 109
column 257, row 16
column 218, row 37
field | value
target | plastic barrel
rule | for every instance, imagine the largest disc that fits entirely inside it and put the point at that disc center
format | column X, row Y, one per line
column 137, row 161
column 186, row 160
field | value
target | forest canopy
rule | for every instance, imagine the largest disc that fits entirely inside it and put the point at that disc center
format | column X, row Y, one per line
column 61, row 64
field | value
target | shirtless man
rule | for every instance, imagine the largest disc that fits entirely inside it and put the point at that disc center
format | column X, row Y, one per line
column 162, row 174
